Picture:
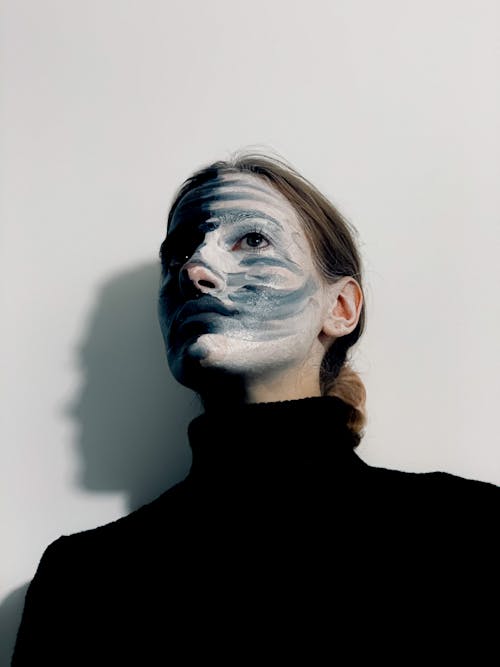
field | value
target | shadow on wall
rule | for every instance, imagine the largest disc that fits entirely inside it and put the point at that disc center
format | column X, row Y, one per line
column 131, row 413
column 10, row 617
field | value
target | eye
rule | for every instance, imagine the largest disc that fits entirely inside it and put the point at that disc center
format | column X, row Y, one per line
column 255, row 241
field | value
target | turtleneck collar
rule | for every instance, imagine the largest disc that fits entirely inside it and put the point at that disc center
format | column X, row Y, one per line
column 307, row 435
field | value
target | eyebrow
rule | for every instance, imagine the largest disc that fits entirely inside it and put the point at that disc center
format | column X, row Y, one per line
column 238, row 214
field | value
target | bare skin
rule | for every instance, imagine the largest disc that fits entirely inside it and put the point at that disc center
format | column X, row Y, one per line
column 238, row 240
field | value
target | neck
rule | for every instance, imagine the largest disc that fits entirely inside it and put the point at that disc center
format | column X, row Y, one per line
column 222, row 389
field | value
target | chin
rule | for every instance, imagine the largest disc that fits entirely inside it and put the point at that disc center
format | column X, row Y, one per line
column 211, row 350
column 231, row 356
column 205, row 351
column 206, row 362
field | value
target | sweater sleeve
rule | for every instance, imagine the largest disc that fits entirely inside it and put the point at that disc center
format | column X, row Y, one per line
column 44, row 616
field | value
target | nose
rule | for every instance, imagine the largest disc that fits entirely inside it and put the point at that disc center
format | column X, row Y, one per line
column 196, row 278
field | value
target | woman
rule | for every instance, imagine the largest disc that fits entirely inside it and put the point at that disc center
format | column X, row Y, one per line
column 281, row 541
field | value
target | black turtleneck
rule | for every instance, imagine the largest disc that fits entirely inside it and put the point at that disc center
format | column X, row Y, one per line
column 280, row 539
column 284, row 440
column 272, row 470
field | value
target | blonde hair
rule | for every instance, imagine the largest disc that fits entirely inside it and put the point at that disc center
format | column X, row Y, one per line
column 334, row 252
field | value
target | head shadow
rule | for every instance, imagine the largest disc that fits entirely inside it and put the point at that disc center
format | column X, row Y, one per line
column 131, row 413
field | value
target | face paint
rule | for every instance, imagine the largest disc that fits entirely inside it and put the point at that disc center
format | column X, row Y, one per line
column 238, row 241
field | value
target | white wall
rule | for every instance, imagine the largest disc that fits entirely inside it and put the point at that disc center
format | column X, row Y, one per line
column 390, row 107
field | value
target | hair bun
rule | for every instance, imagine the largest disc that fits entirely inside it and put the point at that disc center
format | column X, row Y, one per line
column 349, row 387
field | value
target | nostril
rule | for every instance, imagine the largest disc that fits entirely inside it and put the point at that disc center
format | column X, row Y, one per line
column 196, row 277
column 200, row 275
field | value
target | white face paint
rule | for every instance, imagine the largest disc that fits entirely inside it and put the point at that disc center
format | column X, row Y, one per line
column 239, row 242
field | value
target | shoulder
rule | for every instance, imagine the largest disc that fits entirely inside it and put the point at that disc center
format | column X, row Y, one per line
column 433, row 484
column 154, row 521
column 434, row 510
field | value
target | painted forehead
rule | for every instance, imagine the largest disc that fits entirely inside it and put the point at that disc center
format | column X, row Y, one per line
column 229, row 198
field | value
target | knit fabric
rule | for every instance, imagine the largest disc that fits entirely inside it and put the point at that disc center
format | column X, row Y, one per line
column 281, row 543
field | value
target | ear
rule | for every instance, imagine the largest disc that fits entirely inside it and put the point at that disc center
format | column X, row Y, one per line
column 345, row 299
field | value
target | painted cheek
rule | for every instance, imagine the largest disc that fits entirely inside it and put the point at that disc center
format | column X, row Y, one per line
column 265, row 303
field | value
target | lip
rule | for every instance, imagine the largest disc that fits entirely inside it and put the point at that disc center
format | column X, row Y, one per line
column 205, row 304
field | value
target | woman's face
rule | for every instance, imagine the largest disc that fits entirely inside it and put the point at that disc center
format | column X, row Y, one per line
column 238, row 242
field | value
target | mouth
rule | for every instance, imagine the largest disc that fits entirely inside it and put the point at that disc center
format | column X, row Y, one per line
column 205, row 304
column 197, row 317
